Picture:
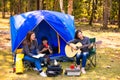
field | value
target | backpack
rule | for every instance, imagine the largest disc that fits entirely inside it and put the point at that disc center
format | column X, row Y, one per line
column 54, row 70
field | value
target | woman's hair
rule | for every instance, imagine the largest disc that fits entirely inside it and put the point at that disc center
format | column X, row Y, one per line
column 76, row 34
column 27, row 40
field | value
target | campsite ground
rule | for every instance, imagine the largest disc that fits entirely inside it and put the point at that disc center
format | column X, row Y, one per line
column 108, row 56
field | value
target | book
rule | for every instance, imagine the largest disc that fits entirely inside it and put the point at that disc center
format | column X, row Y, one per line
column 39, row 55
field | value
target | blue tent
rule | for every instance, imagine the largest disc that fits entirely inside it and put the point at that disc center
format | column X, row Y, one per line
column 57, row 27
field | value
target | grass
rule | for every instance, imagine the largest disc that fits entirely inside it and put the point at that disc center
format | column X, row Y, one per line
column 108, row 64
column 108, row 57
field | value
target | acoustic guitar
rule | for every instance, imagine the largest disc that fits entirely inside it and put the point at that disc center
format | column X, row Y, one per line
column 70, row 52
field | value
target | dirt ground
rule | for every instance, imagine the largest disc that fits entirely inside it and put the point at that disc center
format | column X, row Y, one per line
column 110, row 40
column 5, row 41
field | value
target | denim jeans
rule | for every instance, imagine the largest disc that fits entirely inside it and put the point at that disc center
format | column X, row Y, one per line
column 82, row 56
column 37, row 62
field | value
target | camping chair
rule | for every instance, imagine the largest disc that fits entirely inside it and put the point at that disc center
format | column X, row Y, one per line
column 27, row 64
column 92, row 53
column 91, row 58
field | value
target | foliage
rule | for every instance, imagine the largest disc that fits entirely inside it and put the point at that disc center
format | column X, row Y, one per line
column 82, row 9
column 114, row 10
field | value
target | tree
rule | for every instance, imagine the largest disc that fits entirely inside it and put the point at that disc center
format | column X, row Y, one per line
column 55, row 5
column 16, row 6
column 19, row 6
column 119, row 14
column 61, row 6
column 3, row 8
column 41, row 4
column 44, row 4
column 105, row 14
column 31, row 5
column 11, row 7
column 38, row 4
column 70, row 7
column 83, row 10
column 94, row 8
column 79, row 9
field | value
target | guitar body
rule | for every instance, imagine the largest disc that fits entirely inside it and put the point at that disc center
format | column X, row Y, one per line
column 70, row 52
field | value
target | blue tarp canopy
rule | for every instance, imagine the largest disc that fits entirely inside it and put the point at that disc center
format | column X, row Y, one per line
column 57, row 27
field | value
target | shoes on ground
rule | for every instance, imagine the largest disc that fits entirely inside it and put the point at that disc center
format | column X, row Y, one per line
column 43, row 74
column 83, row 71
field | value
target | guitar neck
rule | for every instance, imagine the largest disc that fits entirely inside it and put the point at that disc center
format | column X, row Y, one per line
column 85, row 45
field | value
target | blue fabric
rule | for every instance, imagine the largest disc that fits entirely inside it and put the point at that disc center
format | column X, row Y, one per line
column 37, row 62
column 82, row 56
column 43, row 23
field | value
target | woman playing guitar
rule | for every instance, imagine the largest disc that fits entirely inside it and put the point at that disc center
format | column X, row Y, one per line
column 84, row 51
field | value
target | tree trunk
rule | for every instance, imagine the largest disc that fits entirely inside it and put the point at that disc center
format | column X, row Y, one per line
column 31, row 5
column 19, row 6
column 3, row 8
column 44, row 4
column 11, row 7
column 92, row 14
column 105, row 14
column 41, row 4
column 55, row 5
column 70, row 7
column 89, row 6
column 61, row 6
column 38, row 4
column 109, row 10
column 15, row 7
column 94, row 8
column 26, row 8
column 119, row 15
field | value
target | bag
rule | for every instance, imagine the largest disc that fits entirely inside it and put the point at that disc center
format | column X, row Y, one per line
column 53, row 70
column 19, row 63
column 72, row 72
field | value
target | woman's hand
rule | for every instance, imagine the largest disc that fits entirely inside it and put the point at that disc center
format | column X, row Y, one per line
column 73, row 46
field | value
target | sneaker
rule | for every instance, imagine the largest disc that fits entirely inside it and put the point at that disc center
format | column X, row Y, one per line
column 42, row 64
column 83, row 71
column 78, row 67
column 35, row 69
column 43, row 74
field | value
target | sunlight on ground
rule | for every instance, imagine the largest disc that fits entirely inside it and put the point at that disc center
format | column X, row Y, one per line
column 108, row 56
column 108, row 64
column 4, row 24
